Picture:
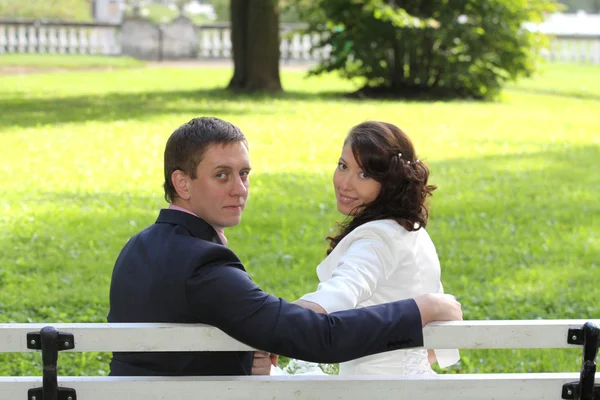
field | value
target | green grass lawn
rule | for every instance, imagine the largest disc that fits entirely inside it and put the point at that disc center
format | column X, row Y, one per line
column 64, row 10
column 516, row 219
column 566, row 80
column 64, row 61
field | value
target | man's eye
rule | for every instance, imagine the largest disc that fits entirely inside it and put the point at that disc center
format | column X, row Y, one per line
column 244, row 173
column 222, row 175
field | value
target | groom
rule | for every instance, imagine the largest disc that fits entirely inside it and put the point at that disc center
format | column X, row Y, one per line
column 179, row 270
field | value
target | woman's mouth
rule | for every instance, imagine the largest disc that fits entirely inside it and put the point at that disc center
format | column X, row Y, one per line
column 345, row 199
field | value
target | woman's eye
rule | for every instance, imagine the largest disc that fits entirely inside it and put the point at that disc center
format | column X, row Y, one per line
column 363, row 175
column 342, row 166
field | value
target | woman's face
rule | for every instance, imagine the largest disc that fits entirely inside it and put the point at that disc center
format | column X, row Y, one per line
column 353, row 188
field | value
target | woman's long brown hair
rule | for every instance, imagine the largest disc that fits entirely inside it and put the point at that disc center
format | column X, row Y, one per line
column 386, row 154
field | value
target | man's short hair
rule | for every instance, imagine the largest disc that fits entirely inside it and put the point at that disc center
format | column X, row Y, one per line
column 189, row 142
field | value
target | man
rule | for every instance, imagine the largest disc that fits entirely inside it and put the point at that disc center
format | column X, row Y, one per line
column 179, row 270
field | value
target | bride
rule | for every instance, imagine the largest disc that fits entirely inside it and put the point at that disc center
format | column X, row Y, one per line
column 382, row 252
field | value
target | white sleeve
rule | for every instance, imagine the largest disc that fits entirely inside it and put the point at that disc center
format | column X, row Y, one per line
column 367, row 261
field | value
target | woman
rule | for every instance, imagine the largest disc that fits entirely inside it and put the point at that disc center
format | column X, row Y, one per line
column 383, row 252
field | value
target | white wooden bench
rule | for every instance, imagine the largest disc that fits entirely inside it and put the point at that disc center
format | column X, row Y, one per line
column 543, row 334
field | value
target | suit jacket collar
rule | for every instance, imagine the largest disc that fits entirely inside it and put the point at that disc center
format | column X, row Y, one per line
column 195, row 225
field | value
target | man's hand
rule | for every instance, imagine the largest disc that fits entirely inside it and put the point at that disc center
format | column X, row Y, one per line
column 262, row 362
column 438, row 307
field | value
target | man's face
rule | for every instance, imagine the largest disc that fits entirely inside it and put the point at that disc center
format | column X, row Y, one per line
column 219, row 192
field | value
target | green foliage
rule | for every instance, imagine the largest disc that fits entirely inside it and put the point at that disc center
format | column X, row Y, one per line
column 429, row 48
column 161, row 14
column 288, row 11
column 65, row 10
column 515, row 220
column 221, row 9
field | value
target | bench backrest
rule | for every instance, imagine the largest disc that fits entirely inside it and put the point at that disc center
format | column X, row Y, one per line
column 542, row 334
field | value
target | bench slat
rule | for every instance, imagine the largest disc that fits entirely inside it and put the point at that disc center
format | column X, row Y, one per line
column 464, row 387
column 185, row 337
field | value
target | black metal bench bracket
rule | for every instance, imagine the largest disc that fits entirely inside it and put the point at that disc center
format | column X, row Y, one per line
column 585, row 389
column 50, row 342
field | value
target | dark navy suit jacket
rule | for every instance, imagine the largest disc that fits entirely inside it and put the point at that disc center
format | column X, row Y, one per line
column 178, row 271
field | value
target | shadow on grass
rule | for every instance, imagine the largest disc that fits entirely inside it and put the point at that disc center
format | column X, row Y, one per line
column 124, row 106
column 116, row 106
column 25, row 112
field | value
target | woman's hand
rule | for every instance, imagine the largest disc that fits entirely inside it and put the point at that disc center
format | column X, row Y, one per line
column 431, row 356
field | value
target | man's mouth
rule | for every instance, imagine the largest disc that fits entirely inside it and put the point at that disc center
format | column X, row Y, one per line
column 235, row 207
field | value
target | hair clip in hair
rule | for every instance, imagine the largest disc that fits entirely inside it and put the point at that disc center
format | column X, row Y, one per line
column 399, row 155
column 408, row 162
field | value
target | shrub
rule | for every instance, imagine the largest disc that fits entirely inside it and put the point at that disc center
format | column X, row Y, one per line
column 438, row 48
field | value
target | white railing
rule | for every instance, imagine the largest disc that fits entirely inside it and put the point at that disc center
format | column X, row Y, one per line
column 215, row 42
column 58, row 37
column 181, row 337
column 575, row 37
column 574, row 49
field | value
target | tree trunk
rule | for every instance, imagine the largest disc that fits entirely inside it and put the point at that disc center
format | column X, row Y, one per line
column 255, row 45
column 239, row 29
column 397, row 69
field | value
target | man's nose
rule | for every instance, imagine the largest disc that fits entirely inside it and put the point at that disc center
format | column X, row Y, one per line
column 239, row 187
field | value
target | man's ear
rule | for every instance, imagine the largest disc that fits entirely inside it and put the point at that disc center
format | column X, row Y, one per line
column 181, row 184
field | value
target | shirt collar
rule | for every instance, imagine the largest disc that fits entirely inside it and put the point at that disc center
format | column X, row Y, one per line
column 193, row 223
